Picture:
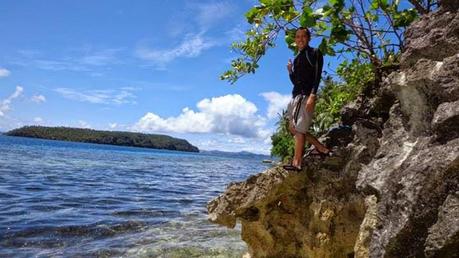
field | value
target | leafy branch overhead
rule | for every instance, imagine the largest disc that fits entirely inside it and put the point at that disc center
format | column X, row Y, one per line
column 371, row 30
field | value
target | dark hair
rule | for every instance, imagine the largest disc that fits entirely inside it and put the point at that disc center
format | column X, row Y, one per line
column 305, row 29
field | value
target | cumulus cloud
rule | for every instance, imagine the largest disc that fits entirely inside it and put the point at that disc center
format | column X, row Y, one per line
column 5, row 103
column 38, row 120
column 229, row 114
column 4, row 72
column 277, row 102
column 117, row 97
column 191, row 46
column 38, row 99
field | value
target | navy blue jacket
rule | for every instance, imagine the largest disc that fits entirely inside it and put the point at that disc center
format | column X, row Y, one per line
column 306, row 76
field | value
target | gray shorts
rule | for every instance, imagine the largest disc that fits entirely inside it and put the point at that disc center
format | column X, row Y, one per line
column 297, row 114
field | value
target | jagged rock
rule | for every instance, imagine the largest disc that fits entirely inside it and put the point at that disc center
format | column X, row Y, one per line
column 443, row 239
column 370, row 222
column 290, row 214
column 446, row 121
column 450, row 5
column 392, row 190
column 435, row 36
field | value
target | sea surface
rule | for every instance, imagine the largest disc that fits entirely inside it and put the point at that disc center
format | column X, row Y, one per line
column 65, row 199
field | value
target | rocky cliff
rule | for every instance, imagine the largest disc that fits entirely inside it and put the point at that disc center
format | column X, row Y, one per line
column 392, row 189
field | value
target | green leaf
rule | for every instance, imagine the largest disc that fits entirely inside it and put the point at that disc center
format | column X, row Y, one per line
column 374, row 4
column 307, row 19
column 251, row 15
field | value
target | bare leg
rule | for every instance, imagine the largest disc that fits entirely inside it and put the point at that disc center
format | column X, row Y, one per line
column 313, row 140
column 299, row 147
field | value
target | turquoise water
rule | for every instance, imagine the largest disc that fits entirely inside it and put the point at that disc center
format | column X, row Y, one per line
column 86, row 200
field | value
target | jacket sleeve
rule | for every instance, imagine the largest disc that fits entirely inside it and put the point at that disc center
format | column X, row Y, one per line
column 320, row 63
column 290, row 75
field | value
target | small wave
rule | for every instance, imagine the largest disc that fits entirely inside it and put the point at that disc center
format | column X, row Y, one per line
column 7, row 196
column 39, row 236
column 146, row 213
column 187, row 251
column 34, row 188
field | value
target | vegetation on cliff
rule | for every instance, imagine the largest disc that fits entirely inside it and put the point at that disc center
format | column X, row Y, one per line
column 154, row 141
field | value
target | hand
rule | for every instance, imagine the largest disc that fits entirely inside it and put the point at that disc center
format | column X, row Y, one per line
column 311, row 103
column 290, row 66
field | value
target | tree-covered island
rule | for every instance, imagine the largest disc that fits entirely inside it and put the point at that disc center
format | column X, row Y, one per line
column 154, row 141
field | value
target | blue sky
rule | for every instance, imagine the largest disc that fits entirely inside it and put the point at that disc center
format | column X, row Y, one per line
column 147, row 66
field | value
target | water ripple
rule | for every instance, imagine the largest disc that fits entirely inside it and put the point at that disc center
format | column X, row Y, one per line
column 76, row 199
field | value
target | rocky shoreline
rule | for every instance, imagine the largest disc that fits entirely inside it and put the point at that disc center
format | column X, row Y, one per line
column 392, row 189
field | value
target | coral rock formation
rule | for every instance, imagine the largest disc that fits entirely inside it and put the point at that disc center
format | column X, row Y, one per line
column 392, row 188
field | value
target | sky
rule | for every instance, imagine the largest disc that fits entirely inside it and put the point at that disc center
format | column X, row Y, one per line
column 143, row 66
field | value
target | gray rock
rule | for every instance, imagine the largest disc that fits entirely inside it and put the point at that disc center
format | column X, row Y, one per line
column 392, row 189
column 446, row 121
column 435, row 36
column 443, row 239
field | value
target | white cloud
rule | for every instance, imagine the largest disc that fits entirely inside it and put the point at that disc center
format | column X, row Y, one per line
column 4, row 72
column 38, row 119
column 53, row 65
column 277, row 103
column 236, row 140
column 83, row 124
column 208, row 14
column 80, row 60
column 38, row 99
column 235, row 34
column 117, row 97
column 113, row 125
column 191, row 46
column 5, row 104
column 232, row 143
column 101, row 58
column 229, row 114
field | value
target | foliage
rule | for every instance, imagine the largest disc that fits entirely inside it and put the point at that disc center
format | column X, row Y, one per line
column 282, row 140
column 334, row 95
column 104, row 137
column 367, row 29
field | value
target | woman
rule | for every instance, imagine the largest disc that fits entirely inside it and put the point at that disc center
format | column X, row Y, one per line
column 305, row 74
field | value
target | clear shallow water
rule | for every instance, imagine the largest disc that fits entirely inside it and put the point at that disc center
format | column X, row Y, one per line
column 76, row 199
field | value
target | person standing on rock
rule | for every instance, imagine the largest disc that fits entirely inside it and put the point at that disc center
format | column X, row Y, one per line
column 305, row 74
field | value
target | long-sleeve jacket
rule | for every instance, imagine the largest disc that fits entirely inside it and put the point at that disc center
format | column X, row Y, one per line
column 306, row 76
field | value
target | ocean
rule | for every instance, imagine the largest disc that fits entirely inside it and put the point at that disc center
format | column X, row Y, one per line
column 66, row 199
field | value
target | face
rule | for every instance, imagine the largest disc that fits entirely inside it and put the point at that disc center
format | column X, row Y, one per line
column 301, row 39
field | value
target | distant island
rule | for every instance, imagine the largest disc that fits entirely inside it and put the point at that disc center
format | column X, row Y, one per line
column 241, row 154
column 154, row 141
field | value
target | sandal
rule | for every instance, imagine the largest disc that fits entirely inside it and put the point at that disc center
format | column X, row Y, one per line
column 292, row 167
column 315, row 151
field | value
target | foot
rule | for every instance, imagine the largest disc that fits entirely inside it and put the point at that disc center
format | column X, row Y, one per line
column 323, row 152
column 291, row 167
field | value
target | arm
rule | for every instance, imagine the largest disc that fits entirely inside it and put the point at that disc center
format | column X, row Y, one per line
column 320, row 64
column 290, row 70
column 312, row 97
